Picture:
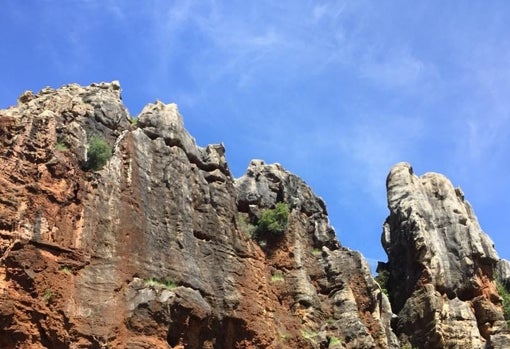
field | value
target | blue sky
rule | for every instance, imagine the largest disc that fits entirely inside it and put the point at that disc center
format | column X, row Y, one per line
column 335, row 91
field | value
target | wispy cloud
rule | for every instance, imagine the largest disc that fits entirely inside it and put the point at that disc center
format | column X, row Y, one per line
column 375, row 145
column 397, row 69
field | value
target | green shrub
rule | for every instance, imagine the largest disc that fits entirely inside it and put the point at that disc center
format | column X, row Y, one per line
column 382, row 280
column 505, row 295
column 273, row 222
column 99, row 152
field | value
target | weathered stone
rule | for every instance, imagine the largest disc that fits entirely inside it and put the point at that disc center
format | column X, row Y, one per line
column 440, row 264
column 503, row 273
column 153, row 250
column 332, row 288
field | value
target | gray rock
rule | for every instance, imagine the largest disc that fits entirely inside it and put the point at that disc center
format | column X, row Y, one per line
column 440, row 263
column 336, row 284
column 155, row 245
column 503, row 272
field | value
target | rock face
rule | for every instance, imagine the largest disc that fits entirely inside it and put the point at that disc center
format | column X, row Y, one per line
column 440, row 266
column 154, row 249
column 503, row 272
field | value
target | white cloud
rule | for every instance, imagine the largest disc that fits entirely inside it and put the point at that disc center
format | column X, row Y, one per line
column 393, row 69
column 375, row 144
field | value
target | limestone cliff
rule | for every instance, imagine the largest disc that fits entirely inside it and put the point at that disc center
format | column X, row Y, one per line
column 440, row 266
column 153, row 250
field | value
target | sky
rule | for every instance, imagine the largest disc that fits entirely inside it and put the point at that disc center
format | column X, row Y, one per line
column 335, row 91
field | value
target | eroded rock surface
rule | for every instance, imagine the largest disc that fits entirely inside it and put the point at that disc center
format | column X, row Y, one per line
column 503, row 272
column 441, row 265
column 330, row 287
column 153, row 250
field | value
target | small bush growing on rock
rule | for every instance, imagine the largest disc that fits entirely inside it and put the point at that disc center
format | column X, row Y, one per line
column 273, row 221
column 245, row 225
column 99, row 152
column 382, row 280
column 505, row 295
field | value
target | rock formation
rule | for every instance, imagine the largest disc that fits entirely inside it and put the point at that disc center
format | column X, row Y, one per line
column 440, row 266
column 154, row 250
column 503, row 273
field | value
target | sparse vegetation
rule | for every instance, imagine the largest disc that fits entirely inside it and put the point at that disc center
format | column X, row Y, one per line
column 273, row 222
column 277, row 277
column 245, row 226
column 382, row 280
column 505, row 295
column 99, row 152
column 407, row 346
column 47, row 295
column 61, row 146
column 134, row 121
column 316, row 252
column 334, row 341
column 168, row 284
column 65, row 270
column 307, row 334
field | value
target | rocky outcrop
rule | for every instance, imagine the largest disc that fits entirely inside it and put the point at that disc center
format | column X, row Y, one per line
column 154, row 249
column 329, row 286
column 440, row 266
column 503, row 272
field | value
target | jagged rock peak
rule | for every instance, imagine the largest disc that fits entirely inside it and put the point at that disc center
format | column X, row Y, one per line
column 340, row 285
column 153, row 249
column 264, row 185
column 440, row 264
column 503, row 272
column 165, row 121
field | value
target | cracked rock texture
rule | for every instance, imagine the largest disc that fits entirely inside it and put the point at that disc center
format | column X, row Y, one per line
column 503, row 272
column 154, row 249
column 440, row 265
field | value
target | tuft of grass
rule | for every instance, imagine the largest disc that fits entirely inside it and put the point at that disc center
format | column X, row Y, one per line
column 134, row 121
column 307, row 334
column 152, row 282
column 65, row 270
column 277, row 277
column 47, row 296
column 316, row 252
column 61, row 146
column 334, row 341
